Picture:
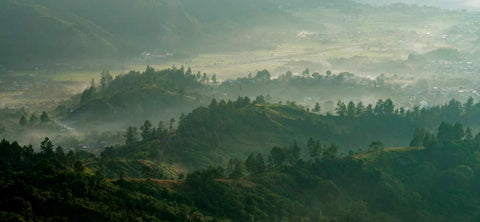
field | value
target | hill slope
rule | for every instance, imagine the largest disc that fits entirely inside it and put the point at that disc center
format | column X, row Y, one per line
column 435, row 183
column 132, row 98
column 55, row 30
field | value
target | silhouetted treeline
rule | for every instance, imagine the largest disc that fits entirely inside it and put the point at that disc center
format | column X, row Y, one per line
column 435, row 181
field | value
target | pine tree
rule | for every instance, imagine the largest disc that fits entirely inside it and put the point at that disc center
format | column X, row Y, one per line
column 260, row 163
column 250, row 163
column 306, row 72
column 388, row 107
column 46, row 147
column 131, row 136
column 78, row 167
column 105, row 79
column 379, row 110
column 341, row 108
column 418, row 137
column 214, row 79
column 351, row 110
column 235, row 166
column 147, row 130
column 172, row 121
column 317, row 108
column 330, row 152
column 204, row 78
column 295, row 152
column 33, row 119
column 360, row 109
column 44, row 118
column 189, row 72
column 61, row 156
column 314, row 148
column 22, row 121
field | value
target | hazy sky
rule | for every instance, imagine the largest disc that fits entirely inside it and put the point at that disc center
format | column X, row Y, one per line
column 467, row 4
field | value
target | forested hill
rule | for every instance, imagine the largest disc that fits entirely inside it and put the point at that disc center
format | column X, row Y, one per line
column 136, row 96
column 162, row 94
column 433, row 182
column 212, row 131
column 226, row 129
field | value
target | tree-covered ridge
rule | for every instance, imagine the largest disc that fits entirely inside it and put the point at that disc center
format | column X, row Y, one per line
column 173, row 80
column 308, row 85
column 434, row 182
column 136, row 95
column 162, row 94
column 53, row 186
column 224, row 129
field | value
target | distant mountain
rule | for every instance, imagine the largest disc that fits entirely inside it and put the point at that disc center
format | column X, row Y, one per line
column 316, row 3
column 57, row 30
column 41, row 32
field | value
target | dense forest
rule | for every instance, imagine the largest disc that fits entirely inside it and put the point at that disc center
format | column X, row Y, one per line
column 150, row 94
column 212, row 135
column 433, row 180
column 163, row 94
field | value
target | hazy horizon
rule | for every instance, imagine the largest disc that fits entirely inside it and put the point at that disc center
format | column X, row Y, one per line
column 447, row 4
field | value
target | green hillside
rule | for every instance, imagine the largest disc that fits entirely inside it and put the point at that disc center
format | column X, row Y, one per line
column 34, row 33
column 60, row 31
column 436, row 182
column 136, row 96
column 233, row 129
